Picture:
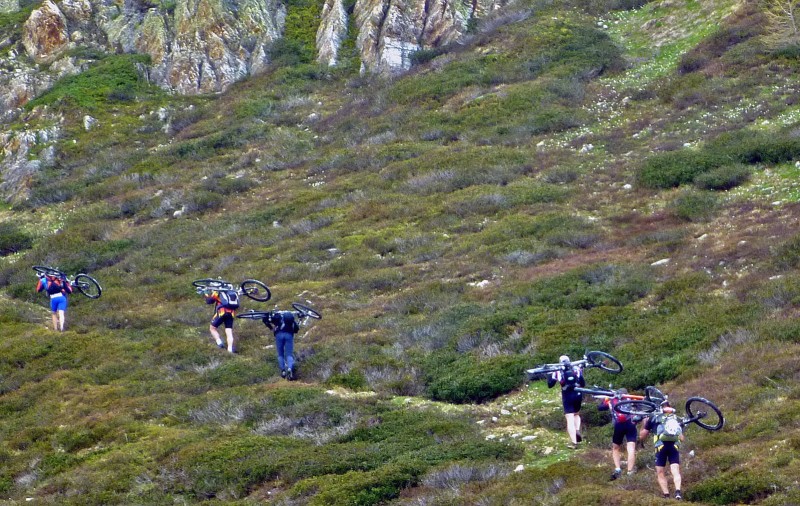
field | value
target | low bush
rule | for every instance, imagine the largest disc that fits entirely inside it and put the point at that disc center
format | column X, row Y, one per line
column 694, row 206
column 13, row 239
column 588, row 287
column 737, row 486
column 468, row 379
column 787, row 255
column 723, row 178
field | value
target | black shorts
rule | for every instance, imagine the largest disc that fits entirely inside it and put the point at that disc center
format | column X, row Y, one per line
column 571, row 401
column 668, row 451
column 622, row 431
column 222, row 318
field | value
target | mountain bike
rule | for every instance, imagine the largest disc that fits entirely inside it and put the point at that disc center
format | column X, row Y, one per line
column 598, row 359
column 600, row 392
column 85, row 284
column 301, row 312
column 698, row 410
column 251, row 288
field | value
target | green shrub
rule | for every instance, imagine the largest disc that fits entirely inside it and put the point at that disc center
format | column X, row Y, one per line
column 787, row 255
column 13, row 239
column 738, row 486
column 723, row 178
column 201, row 201
column 694, row 206
column 588, row 287
column 472, row 380
column 114, row 78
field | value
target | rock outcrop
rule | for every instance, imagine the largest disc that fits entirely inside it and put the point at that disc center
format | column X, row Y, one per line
column 203, row 46
column 390, row 31
column 18, row 167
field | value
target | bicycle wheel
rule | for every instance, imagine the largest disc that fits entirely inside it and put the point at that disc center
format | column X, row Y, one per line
column 48, row 271
column 256, row 290
column 88, row 286
column 704, row 413
column 254, row 315
column 641, row 408
column 306, row 311
column 604, row 361
column 654, row 395
column 596, row 391
column 210, row 283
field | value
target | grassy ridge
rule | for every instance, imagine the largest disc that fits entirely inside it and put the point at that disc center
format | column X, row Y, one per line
column 455, row 226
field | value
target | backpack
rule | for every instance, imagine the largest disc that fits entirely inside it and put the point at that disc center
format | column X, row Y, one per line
column 670, row 428
column 286, row 323
column 229, row 299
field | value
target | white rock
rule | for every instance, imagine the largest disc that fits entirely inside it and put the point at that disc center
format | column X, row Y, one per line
column 663, row 261
column 494, row 419
column 703, row 237
column 627, row 186
column 519, row 468
column 548, row 450
column 89, row 122
column 528, row 438
column 490, row 437
column 505, row 412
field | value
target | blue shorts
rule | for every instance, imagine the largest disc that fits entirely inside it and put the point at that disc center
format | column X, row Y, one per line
column 222, row 319
column 622, row 431
column 571, row 401
column 668, row 451
column 58, row 303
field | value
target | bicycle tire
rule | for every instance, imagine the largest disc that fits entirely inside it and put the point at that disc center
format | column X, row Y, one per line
column 695, row 407
column 636, row 408
column 545, row 369
column 604, row 361
column 654, row 395
column 256, row 290
column 48, row 271
column 306, row 311
column 88, row 286
column 254, row 315
column 596, row 391
column 206, row 283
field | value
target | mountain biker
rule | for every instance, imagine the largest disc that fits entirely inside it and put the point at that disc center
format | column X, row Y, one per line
column 284, row 325
column 57, row 287
column 624, row 430
column 222, row 316
column 570, row 377
column 664, row 451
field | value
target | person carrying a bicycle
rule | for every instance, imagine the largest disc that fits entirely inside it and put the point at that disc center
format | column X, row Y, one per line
column 667, row 445
column 223, row 315
column 284, row 326
column 57, row 287
column 570, row 377
column 624, row 430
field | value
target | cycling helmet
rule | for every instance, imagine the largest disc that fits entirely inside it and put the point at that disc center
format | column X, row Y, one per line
column 564, row 359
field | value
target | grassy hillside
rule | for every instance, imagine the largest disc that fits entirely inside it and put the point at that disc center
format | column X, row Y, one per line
column 577, row 175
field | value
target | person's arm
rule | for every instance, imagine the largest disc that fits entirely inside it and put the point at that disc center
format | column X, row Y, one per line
column 551, row 380
column 67, row 286
column 211, row 298
column 42, row 284
column 604, row 405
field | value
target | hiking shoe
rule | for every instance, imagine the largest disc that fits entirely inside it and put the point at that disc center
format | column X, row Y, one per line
column 616, row 474
column 283, row 374
column 221, row 345
column 678, row 496
column 289, row 375
column 572, row 446
column 578, row 437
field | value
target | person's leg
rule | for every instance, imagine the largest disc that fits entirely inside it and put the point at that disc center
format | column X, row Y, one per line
column 61, row 318
column 631, row 456
column 288, row 351
column 577, row 420
column 279, row 345
column 55, row 320
column 675, row 469
column 571, row 427
column 616, row 456
column 662, row 480
column 229, row 336
column 215, row 335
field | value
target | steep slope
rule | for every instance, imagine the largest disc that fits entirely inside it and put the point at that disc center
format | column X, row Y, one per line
column 574, row 176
